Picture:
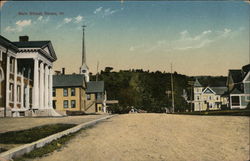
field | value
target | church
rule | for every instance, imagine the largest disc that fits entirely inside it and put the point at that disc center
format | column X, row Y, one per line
column 26, row 70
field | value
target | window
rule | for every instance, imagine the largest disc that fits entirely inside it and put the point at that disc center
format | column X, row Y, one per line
column 73, row 92
column 198, row 98
column 66, row 104
column 210, row 98
column 217, row 98
column 99, row 96
column 73, row 104
column 247, row 98
column 54, row 104
column 54, row 92
column 88, row 97
column 235, row 100
column 11, row 92
column 65, row 92
column 18, row 93
column 12, row 64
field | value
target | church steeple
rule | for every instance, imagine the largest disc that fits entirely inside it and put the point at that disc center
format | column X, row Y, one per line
column 84, row 68
column 83, row 46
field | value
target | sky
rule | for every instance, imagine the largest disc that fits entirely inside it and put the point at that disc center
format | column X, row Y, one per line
column 197, row 37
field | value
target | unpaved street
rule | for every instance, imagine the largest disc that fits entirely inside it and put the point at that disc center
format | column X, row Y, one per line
column 160, row 137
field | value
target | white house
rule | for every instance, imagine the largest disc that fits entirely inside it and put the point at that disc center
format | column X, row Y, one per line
column 208, row 98
column 238, row 83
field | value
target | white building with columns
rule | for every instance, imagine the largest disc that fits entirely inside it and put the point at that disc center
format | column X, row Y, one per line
column 28, row 79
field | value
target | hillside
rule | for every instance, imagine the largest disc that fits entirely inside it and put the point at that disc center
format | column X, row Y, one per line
column 147, row 90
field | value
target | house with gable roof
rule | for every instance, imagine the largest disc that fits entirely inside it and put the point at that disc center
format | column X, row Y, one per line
column 238, row 83
column 26, row 77
column 208, row 98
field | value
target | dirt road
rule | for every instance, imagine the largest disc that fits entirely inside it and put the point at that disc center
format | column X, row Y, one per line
column 160, row 137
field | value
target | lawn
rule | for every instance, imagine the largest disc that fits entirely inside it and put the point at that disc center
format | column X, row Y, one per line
column 33, row 134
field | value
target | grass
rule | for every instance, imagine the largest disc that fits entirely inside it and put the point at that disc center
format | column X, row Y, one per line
column 220, row 113
column 49, row 147
column 33, row 134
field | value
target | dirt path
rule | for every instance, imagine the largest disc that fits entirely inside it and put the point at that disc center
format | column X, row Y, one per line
column 160, row 137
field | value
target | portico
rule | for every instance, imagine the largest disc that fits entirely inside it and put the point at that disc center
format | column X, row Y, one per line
column 28, row 79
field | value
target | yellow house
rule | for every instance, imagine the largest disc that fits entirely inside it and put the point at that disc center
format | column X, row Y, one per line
column 96, row 96
column 69, row 93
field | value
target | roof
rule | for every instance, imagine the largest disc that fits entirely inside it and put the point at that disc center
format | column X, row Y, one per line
column 95, row 87
column 26, row 45
column 246, row 68
column 7, row 43
column 31, row 44
column 236, row 75
column 197, row 83
column 219, row 90
column 235, row 91
column 69, row 80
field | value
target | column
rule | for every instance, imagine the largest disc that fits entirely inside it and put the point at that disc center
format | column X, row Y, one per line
column 22, row 89
column 41, row 85
column 35, row 93
column 15, row 84
column 7, row 81
column 46, row 87
column 28, row 92
column 50, row 87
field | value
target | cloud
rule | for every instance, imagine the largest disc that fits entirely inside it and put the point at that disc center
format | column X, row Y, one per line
column 67, row 20
column 12, row 29
column 19, row 26
column 40, row 18
column 134, row 48
column 108, row 12
column 23, row 23
column 104, row 12
column 186, row 41
column 98, row 10
column 78, row 19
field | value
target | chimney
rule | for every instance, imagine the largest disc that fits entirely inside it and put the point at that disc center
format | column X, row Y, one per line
column 63, row 71
column 23, row 38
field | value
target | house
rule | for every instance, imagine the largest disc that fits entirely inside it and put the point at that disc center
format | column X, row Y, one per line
column 96, row 96
column 208, row 98
column 238, row 83
column 26, row 81
column 69, row 93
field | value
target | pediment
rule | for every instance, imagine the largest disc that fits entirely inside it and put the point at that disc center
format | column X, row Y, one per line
column 208, row 91
column 48, row 49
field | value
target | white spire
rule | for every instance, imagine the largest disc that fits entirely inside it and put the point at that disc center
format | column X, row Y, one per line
column 84, row 68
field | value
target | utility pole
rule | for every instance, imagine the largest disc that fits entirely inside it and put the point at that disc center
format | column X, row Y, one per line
column 172, row 87
column 97, row 70
column 191, row 83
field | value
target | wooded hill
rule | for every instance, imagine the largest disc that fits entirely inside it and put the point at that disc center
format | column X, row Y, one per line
column 147, row 90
